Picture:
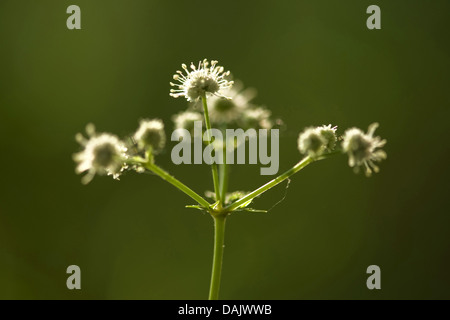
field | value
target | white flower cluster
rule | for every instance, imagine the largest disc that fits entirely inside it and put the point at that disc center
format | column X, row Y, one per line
column 227, row 111
column 315, row 141
column 363, row 149
column 150, row 135
column 103, row 153
column 186, row 120
column 200, row 80
column 106, row 154
column 236, row 110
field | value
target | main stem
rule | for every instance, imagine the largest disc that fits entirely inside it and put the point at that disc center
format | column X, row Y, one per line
column 219, row 236
column 215, row 173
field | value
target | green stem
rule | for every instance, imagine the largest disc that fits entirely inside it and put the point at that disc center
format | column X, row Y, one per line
column 299, row 166
column 178, row 184
column 223, row 176
column 215, row 173
column 219, row 236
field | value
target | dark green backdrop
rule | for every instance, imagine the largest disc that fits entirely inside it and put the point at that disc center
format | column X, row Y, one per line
column 313, row 62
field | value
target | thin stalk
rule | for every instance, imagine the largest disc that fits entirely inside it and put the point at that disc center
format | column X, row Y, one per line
column 270, row 184
column 299, row 166
column 178, row 184
column 223, row 176
column 219, row 236
column 215, row 173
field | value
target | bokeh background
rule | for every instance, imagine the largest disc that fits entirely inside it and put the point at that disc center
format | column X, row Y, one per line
column 313, row 63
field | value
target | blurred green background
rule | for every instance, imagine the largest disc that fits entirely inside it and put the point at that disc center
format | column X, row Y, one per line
column 313, row 63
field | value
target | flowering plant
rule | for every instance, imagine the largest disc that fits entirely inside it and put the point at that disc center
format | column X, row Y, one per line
column 225, row 106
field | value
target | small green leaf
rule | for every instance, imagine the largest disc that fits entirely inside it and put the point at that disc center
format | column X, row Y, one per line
column 195, row 206
column 255, row 210
column 252, row 210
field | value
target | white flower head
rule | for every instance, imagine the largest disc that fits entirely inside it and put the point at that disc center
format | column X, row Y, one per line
column 315, row 140
column 257, row 118
column 223, row 110
column 311, row 142
column 103, row 154
column 329, row 134
column 150, row 135
column 363, row 149
column 186, row 120
column 197, row 82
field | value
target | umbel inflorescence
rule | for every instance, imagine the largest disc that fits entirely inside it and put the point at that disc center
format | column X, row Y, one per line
column 215, row 102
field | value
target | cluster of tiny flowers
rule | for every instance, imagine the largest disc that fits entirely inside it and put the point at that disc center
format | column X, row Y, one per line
column 239, row 109
column 257, row 118
column 150, row 135
column 315, row 140
column 235, row 111
column 103, row 153
column 197, row 82
column 222, row 110
column 106, row 154
column 186, row 120
column 363, row 149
